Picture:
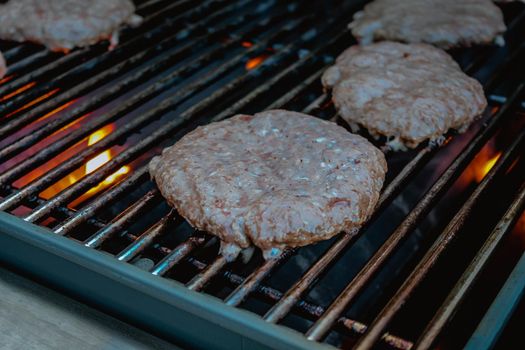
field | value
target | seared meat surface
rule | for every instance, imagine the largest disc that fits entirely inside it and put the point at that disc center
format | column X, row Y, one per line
column 64, row 24
column 443, row 23
column 274, row 180
column 406, row 92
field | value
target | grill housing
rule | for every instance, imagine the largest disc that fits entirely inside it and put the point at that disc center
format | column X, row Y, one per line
column 193, row 63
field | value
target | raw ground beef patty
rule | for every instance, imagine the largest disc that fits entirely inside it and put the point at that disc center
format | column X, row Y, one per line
column 64, row 24
column 406, row 92
column 274, row 180
column 443, row 23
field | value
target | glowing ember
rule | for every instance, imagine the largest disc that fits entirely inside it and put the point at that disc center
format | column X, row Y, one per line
column 17, row 91
column 255, row 62
column 32, row 103
column 246, row 44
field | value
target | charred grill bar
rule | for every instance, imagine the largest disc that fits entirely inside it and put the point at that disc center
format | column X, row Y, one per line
column 190, row 64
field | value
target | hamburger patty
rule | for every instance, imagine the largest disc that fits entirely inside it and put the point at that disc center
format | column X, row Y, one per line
column 274, row 180
column 64, row 24
column 406, row 92
column 3, row 68
column 443, row 23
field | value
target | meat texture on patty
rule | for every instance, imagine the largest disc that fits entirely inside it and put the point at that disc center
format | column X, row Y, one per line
column 406, row 92
column 3, row 68
column 62, row 25
column 443, row 23
column 274, row 180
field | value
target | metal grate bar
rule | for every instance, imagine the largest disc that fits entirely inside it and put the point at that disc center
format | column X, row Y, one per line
column 22, row 64
column 462, row 288
column 296, row 91
column 146, row 238
column 105, row 199
column 120, row 222
column 200, row 280
column 442, row 242
column 321, row 327
column 61, row 211
column 317, row 104
column 250, row 284
column 177, row 254
column 12, row 54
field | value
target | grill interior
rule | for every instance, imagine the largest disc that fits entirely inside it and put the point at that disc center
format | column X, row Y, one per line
column 77, row 132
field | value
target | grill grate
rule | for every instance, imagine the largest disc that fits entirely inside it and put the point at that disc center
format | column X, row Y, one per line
column 191, row 63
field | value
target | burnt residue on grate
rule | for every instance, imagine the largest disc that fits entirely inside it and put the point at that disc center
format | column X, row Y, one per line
column 77, row 132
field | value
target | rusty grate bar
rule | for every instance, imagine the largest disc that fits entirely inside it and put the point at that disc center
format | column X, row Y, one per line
column 147, row 237
column 178, row 254
column 462, row 288
column 121, row 221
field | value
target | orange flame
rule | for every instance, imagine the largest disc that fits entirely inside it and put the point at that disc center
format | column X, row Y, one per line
column 98, row 161
column 255, row 62
column 480, row 165
column 484, row 168
column 91, row 165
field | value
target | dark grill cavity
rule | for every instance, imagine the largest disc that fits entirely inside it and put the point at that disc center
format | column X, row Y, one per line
column 78, row 130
